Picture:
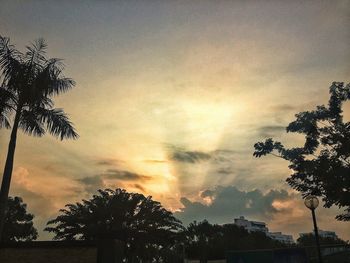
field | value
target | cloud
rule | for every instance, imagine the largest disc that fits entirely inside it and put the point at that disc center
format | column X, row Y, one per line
column 43, row 202
column 138, row 186
column 284, row 108
column 190, row 157
column 225, row 203
column 182, row 155
column 125, row 175
column 207, row 193
column 37, row 203
column 92, row 183
column 271, row 130
column 108, row 162
column 225, row 170
column 155, row 161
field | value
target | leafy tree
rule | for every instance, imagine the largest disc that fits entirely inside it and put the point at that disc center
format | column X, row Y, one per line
column 145, row 227
column 18, row 223
column 202, row 238
column 237, row 238
column 28, row 82
column 309, row 240
column 322, row 165
column 205, row 241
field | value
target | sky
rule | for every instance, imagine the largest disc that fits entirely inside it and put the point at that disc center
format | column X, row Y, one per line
column 171, row 97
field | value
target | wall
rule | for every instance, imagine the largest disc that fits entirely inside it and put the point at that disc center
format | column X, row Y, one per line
column 53, row 252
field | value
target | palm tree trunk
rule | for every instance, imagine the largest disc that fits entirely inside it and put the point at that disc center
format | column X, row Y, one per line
column 6, row 179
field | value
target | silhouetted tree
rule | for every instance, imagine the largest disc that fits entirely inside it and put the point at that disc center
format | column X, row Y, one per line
column 28, row 82
column 322, row 166
column 237, row 238
column 309, row 240
column 146, row 228
column 205, row 241
column 18, row 222
column 202, row 237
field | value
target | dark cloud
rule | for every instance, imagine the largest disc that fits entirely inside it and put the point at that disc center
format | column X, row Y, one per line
column 108, row 162
column 225, row 170
column 230, row 202
column 155, row 161
column 92, row 180
column 92, row 183
column 190, row 157
column 182, row 155
column 140, row 187
column 207, row 193
column 271, row 131
column 125, row 175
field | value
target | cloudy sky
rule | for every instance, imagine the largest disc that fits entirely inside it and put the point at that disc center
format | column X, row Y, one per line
column 172, row 95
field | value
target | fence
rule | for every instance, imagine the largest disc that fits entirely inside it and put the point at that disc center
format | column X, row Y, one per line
column 330, row 253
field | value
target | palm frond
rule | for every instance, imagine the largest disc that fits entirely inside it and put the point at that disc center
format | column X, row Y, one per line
column 57, row 123
column 31, row 123
column 37, row 50
column 62, row 84
column 7, row 98
column 46, row 103
column 35, row 57
column 7, row 102
column 4, row 121
column 27, row 82
column 50, row 80
column 10, row 58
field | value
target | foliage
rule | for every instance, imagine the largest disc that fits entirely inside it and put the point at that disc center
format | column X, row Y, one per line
column 309, row 240
column 322, row 165
column 206, row 241
column 28, row 81
column 202, row 240
column 145, row 227
column 18, row 223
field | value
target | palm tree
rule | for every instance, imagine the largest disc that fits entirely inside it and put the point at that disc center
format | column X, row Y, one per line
column 28, row 82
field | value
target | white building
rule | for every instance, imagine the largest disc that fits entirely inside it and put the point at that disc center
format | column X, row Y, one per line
column 322, row 233
column 251, row 226
column 287, row 239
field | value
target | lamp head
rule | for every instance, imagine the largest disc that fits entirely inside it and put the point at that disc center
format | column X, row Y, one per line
column 311, row 202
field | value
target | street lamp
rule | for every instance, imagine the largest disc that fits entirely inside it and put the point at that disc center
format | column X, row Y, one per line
column 312, row 202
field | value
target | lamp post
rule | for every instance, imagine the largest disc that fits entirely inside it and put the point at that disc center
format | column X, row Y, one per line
column 312, row 202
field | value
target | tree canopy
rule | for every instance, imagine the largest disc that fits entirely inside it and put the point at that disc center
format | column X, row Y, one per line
column 322, row 165
column 309, row 240
column 206, row 241
column 145, row 227
column 18, row 222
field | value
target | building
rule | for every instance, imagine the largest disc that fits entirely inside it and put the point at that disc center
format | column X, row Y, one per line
column 252, row 226
column 286, row 239
column 322, row 233
column 330, row 234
